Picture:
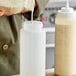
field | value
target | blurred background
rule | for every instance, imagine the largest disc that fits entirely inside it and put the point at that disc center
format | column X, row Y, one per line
column 47, row 16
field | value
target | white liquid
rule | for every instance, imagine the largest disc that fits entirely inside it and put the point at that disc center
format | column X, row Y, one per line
column 65, row 49
column 32, row 15
column 32, row 9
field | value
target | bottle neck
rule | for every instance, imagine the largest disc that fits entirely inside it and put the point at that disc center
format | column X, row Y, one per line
column 33, row 26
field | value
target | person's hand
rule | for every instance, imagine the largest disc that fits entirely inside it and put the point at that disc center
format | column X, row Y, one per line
column 3, row 13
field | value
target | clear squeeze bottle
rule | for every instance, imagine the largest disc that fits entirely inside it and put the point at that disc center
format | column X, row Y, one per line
column 32, row 49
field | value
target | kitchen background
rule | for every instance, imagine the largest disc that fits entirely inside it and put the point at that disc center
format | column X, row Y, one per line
column 48, row 18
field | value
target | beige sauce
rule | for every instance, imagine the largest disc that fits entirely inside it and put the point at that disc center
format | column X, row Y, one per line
column 65, row 50
column 32, row 15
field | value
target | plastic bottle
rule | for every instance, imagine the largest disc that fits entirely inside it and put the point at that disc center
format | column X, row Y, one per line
column 32, row 49
column 65, row 42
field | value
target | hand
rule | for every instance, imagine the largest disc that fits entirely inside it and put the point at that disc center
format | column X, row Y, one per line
column 3, row 13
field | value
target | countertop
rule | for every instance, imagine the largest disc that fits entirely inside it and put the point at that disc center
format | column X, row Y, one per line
column 48, row 72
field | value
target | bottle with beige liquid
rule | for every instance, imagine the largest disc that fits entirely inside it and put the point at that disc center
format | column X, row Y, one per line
column 65, row 42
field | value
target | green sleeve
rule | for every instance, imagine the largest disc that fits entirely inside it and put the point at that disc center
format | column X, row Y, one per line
column 40, row 4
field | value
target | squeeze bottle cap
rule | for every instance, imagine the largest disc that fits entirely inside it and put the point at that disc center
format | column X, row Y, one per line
column 66, row 12
column 67, row 8
column 65, row 15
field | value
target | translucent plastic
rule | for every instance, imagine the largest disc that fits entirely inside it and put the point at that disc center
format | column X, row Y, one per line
column 32, row 49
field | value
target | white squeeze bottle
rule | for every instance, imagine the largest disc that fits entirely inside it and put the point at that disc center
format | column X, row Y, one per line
column 65, row 42
column 32, row 49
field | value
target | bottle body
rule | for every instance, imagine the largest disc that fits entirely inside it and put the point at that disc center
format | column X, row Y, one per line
column 65, row 45
column 32, row 53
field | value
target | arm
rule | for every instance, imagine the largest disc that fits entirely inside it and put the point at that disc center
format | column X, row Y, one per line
column 39, row 6
column 42, row 4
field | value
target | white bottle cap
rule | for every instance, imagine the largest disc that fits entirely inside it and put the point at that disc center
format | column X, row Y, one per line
column 67, row 11
column 65, row 15
column 67, row 8
column 33, row 26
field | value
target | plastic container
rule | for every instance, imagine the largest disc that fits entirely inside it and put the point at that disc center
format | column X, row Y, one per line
column 65, row 42
column 32, row 49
